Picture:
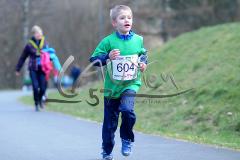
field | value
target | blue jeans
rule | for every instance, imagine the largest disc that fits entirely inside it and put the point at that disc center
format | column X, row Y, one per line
column 39, row 84
column 112, row 108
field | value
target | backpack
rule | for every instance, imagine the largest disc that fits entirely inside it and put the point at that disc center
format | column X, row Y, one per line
column 46, row 64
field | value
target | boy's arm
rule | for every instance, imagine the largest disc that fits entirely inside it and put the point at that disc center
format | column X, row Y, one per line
column 103, row 58
column 143, row 58
column 101, row 53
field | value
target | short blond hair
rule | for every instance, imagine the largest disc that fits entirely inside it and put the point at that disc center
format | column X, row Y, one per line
column 37, row 29
column 115, row 11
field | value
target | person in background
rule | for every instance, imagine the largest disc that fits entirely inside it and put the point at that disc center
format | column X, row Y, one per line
column 33, row 51
column 75, row 72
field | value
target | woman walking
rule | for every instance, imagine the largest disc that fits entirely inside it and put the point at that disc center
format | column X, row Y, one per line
column 33, row 50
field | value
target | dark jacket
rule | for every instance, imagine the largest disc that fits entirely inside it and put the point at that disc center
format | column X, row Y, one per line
column 31, row 52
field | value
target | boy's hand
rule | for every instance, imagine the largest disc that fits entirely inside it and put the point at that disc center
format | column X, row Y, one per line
column 114, row 53
column 143, row 67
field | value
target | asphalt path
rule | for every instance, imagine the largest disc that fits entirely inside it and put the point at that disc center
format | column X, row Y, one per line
column 29, row 135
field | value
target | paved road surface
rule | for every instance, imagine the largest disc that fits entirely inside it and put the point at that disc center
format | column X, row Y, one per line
column 29, row 135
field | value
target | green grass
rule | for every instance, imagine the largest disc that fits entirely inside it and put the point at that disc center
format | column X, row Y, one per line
column 206, row 60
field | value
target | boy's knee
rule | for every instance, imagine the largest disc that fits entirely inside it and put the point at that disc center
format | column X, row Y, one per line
column 130, row 115
column 127, row 101
column 126, row 106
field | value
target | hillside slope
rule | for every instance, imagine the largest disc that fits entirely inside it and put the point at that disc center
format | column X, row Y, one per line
column 206, row 60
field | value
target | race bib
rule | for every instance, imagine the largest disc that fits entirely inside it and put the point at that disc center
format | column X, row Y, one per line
column 125, row 67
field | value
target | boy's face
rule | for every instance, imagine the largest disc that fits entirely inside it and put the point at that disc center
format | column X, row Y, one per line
column 123, row 22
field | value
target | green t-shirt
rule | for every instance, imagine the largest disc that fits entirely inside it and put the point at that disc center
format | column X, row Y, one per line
column 134, row 45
